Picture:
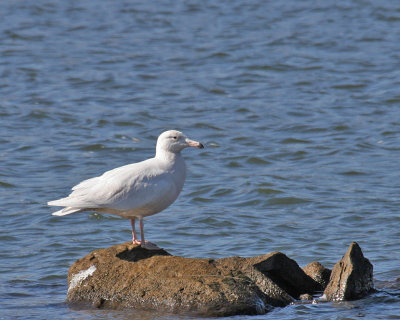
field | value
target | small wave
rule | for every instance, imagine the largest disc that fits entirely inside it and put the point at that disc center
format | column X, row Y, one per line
column 257, row 160
column 267, row 191
column 6, row 185
column 287, row 201
column 353, row 173
column 93, row 147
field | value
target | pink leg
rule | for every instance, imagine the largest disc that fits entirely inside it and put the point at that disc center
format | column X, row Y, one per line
column 141, row 230
column 146, row 244
column 134, row 236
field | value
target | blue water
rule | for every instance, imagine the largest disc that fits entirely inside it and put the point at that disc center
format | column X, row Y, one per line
column 297, row 103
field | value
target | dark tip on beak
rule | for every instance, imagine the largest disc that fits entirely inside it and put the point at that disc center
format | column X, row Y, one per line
column 194, row 144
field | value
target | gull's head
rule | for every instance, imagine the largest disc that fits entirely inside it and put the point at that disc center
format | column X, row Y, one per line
column 175, row 141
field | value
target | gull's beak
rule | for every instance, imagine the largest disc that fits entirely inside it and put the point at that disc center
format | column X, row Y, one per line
column 195, row 144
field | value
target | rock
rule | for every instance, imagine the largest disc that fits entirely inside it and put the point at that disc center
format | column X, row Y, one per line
column 351, row 277
column 319, row 273
column 287, row 274
column 306, row 297
column 129, row 276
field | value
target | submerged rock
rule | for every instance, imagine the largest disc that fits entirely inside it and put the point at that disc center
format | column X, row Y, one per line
column 351, row 277
column 128, row 276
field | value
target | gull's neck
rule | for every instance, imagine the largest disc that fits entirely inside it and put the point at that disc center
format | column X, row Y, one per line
column 167, row 155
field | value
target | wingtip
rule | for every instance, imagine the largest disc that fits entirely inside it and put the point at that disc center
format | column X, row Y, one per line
column 51, row 203
column 65, row 211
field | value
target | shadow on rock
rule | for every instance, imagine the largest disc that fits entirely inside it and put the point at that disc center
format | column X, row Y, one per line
column 138, row 253
column 287, row 273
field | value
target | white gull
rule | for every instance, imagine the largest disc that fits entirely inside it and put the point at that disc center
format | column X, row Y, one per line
column 135, row 190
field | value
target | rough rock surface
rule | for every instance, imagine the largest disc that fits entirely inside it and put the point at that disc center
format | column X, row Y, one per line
column 319, row 273
column 351, row 277
column 129, row 276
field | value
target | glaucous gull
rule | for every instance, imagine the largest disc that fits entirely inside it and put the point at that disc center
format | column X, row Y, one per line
column 136, row 190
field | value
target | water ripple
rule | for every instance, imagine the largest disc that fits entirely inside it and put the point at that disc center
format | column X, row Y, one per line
column 298, row 109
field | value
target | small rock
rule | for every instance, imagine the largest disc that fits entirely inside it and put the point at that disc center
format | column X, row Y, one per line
column 351, row 277
column 319, row 273
column 306, row 297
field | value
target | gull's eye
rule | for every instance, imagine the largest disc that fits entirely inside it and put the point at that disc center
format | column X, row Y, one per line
column 174, row 137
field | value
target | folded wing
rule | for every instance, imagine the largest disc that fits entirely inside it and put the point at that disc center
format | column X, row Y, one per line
column 142, row 186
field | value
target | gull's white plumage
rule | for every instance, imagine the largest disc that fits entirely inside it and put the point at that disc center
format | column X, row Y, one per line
column 135, row 190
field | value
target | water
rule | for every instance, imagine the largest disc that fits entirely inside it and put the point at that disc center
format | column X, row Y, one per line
column 298, row 105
